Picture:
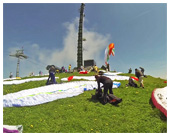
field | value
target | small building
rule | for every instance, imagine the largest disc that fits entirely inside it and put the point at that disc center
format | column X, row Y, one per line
column 89, row 63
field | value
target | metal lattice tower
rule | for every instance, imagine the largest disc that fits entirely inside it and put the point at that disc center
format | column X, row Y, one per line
column 20, row 55
column 80, row 38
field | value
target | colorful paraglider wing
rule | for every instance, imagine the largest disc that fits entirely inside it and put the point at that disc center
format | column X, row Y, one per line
column 135, row 78
column 106, row 56
column 108, row 51
column 70, row 78
column 83, row 72
column 111, row 49
column 159, row 99
column 113, row 52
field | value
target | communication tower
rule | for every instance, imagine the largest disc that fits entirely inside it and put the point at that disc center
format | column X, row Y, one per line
column 20, row 55
column 80, row 38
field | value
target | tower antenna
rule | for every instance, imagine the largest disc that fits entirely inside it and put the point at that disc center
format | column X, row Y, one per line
column 20, row 55
column 80, row 38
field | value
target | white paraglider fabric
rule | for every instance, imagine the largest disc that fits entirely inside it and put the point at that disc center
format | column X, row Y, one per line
column 112, row 76
column 49, row 93
column 24, row 80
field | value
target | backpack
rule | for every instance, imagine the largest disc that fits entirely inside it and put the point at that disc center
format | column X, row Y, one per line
column 110, row 98
column 132, row 83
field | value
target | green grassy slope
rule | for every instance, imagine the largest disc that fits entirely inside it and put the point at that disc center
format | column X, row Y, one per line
column 82, row 114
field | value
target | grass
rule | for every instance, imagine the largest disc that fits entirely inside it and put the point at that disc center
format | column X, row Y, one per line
column 82, row 114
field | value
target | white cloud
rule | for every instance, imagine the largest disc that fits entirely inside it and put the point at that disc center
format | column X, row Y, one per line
column 95, row 44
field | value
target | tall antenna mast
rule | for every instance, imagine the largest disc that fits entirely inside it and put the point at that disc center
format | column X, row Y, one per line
column 80, row 38
column 20, row 55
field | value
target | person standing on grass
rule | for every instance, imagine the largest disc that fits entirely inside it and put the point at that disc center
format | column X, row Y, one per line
column 11, row 75
column 69, row 68
column 95, row 68
column 130, row 70
column 139, row 75
column 51, row 78
column 107, row 84
column 142, row 70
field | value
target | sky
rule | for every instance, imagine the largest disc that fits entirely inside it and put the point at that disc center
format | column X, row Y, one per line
column 48, row 33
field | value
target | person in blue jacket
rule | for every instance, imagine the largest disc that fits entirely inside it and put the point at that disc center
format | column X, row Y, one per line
column 51, row 78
